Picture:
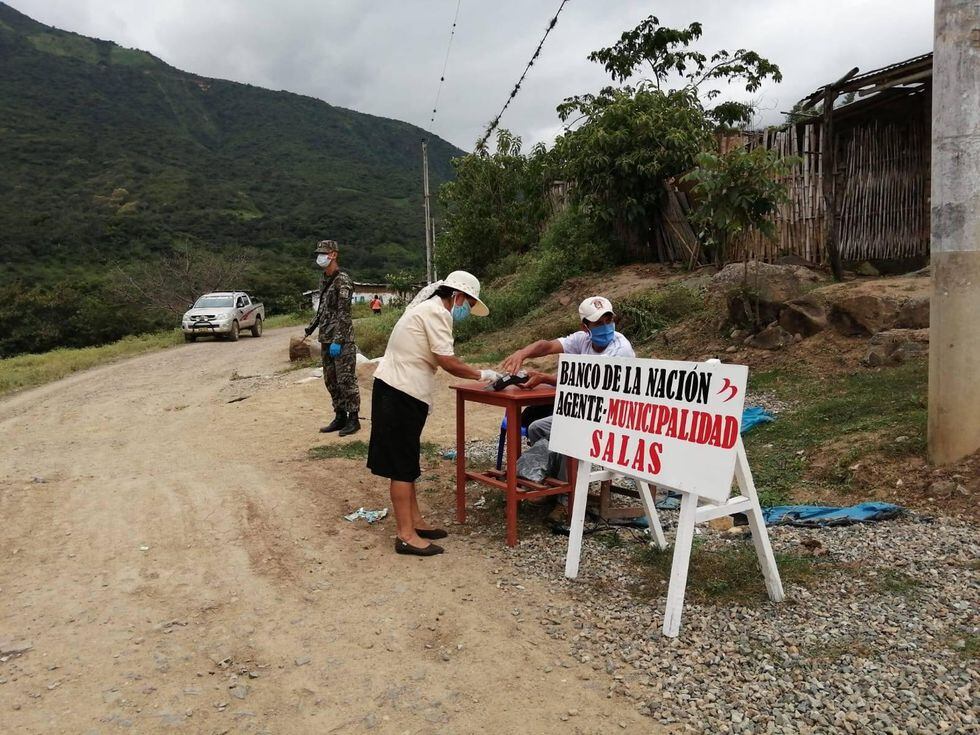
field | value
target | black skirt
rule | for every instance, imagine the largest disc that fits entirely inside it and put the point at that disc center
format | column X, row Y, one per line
column 397, row 420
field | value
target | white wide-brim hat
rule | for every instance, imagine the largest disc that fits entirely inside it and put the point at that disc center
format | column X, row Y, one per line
column 468, row 284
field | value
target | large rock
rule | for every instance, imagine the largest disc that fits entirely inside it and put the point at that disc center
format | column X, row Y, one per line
column 896, row 345
column 867, row 312
column 757, row 291
column 864, row 313
column 303, row 349
column 298, row 349
column 913, row 313
column 773, row 337
column 805, row 316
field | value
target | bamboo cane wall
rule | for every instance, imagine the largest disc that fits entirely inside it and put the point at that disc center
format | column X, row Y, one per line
column 882, row 190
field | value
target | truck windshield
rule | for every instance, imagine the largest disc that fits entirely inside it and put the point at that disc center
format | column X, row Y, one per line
column 211, row 302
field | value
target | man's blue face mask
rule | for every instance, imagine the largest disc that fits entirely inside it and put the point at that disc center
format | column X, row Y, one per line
column 602, row 335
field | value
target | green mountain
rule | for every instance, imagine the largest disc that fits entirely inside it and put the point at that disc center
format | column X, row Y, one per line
column 110, row 156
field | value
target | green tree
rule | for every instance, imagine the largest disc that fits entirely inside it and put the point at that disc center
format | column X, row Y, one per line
column 403, row 282
column 633, row 142
column 667, row 54
column 496, row 206
column 735, row 193
column 630, row 140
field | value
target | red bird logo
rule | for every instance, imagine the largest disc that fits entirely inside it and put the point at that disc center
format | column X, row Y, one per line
column 728, row 386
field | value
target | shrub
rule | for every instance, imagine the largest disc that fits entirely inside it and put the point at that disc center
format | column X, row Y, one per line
column 736, row 192
column 568, row 247
column 642, row 315
column 371, row 333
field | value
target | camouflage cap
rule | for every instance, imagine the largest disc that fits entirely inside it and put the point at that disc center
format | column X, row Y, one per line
column 327, row 246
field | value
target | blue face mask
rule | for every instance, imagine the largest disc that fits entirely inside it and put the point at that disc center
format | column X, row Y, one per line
column 602, row 335
column 461, row 312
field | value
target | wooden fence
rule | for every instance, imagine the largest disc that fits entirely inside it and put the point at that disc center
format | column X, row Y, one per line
column 881, row 190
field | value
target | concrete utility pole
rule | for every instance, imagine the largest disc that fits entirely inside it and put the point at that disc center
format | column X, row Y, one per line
column 435, row 276
column 954, row 323
column 428, row 213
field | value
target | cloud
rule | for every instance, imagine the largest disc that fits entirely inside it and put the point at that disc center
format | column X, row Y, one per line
column 385, row 58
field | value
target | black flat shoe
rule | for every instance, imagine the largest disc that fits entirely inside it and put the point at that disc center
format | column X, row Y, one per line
column 431, row 533
column 402, row 548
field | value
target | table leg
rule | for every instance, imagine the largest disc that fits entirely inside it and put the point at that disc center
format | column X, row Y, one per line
column 513, row 451
column 460, row 458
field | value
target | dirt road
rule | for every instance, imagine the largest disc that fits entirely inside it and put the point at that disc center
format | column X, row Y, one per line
column 177, row 563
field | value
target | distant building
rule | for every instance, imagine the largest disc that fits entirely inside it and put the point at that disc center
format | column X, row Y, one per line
column 363, row 294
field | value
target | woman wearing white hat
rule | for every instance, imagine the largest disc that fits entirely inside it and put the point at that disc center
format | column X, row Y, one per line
column 420, row 343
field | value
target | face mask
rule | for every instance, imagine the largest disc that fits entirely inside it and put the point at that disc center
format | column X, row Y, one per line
column 461, row 312
column 323, row 260
column 602, row 335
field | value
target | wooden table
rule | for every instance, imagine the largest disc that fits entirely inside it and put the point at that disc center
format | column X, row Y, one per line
column 517, row 489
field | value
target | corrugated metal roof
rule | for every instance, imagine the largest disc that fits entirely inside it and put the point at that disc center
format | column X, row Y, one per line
column 891, row 73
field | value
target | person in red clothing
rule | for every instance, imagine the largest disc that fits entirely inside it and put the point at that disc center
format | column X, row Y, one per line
column 376, row 304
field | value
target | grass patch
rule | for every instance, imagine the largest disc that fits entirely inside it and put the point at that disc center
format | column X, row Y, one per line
column 307, row 364
column 431, row 450
column 349, row 450
column 609, row 539
column 971, row 649
column 359, row 450
column 867, row 409
column 362, row 310
column 646, row 313
column 27, row 371
column 371, row 333
column 540, row 274
column 568, row 247
column 896, row 582
column 287, row 320
column 488, row 356
column 727, row 575
column 837, row 649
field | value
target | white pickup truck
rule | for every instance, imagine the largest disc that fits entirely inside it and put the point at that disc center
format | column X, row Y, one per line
column 223, row 313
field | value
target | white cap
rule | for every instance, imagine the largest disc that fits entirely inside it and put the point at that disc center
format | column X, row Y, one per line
column 468, row 284
column 592, row 309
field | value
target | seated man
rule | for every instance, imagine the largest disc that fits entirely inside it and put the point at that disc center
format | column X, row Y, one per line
column 598, row 336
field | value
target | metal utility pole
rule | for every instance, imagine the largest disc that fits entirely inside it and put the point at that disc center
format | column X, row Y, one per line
column 428, row 213
column 954, row 321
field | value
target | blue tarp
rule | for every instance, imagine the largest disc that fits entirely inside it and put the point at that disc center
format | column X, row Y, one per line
column 752, row 416
column 812, row 516
column 808, row 516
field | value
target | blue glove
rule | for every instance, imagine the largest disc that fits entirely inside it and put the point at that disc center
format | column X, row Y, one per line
column 335, row 348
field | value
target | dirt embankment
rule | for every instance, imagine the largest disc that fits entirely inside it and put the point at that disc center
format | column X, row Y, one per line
column 852, row 336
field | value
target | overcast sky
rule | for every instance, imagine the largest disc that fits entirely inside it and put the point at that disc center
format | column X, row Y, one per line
column 385, row 57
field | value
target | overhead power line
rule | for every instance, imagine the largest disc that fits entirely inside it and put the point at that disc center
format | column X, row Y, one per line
column 482, row 142
column 445, row 64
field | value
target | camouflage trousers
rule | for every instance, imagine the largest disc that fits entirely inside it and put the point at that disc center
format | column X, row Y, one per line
column 340, row 377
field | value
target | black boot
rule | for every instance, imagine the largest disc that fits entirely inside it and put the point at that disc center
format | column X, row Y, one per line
column 353, row 424
column 338, row 423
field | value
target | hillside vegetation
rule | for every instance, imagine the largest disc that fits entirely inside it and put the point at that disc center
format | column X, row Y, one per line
column 110, row 156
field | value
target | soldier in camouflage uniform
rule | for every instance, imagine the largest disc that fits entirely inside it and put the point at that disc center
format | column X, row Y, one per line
column 337, row 340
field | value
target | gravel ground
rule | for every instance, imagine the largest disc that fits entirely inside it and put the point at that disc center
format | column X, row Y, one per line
column 767, row 401
column 882, row 640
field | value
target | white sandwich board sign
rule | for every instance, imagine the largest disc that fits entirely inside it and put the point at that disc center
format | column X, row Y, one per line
column 672, row 424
